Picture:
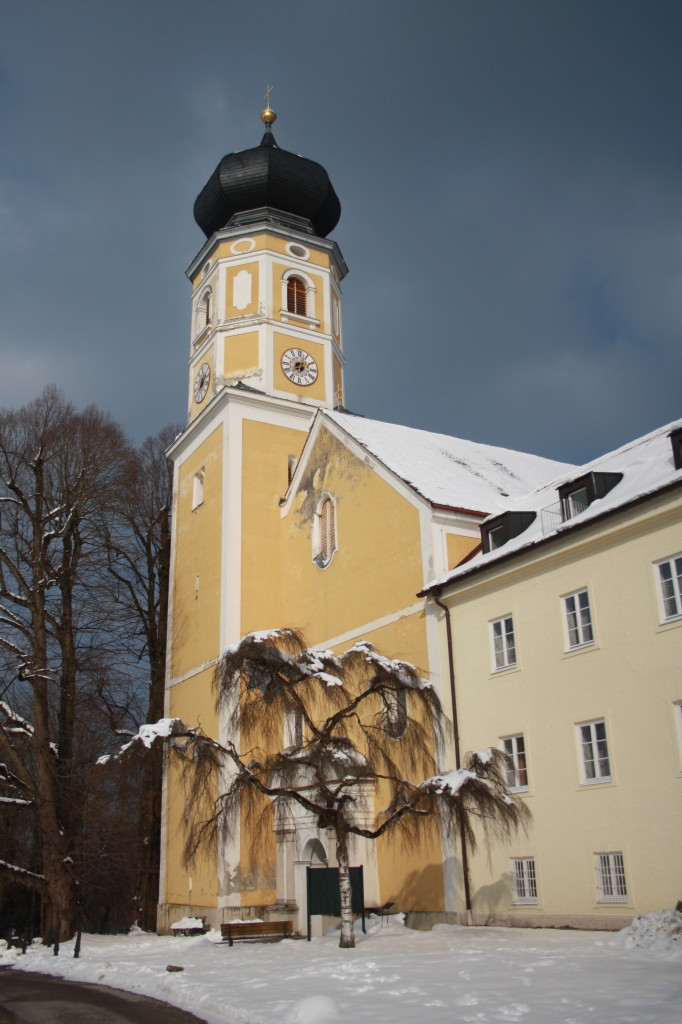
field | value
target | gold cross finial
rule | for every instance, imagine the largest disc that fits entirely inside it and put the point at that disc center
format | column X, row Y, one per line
column 268, row 117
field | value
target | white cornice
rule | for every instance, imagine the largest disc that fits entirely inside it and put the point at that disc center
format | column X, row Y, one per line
column 213, row 414
column 279, row 231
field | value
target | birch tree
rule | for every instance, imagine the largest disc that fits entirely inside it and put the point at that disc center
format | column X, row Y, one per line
column 347, row 708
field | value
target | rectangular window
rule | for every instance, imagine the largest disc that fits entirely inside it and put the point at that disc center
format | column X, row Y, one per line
column 594, row 751
column 578, row 619
column 525, row 884
column 576, row 502
column 670, row 582
column 611, row 883
column 504, row 647
column 517, row 769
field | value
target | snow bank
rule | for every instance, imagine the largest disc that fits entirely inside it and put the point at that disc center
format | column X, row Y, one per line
column 451, row 975
column 661, row 932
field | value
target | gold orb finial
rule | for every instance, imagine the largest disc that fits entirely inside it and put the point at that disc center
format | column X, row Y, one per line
column 268, row 116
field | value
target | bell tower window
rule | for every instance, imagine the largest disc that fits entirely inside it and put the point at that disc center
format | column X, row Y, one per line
column 204, row 311
column 296, row 296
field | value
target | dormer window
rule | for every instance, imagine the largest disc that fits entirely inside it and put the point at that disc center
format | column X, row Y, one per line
column 502, row 528
column 676, row 442
column 575, row 502
column 296, row 296
column 579, row 494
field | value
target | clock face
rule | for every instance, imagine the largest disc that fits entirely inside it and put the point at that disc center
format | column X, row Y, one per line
column 202, row 380
column 299, row 366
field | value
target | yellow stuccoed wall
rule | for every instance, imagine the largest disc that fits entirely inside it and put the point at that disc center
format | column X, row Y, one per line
column 196, row 609
column 379, row 540
column 459, row 547
column 240, row 353
column 630, row 677
column 265, row 454
column 411, row 876
column 377, row 568
column 192, row 700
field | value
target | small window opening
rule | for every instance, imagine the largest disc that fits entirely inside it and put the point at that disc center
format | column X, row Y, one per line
column 296, row 296
column 198, row 488
column 394, row 712
column 327, row 531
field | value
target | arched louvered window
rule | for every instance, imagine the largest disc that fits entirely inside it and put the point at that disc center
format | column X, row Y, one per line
column 207, row 308
column 296, row 296
column 327, row 545
column 394, row 712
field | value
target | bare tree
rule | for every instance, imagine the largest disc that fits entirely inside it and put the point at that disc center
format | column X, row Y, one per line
column 58, row 469
column 351, row 729
column 137, row 542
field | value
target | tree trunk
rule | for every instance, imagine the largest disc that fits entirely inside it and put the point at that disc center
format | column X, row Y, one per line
column 147, row 882
column 347, row 940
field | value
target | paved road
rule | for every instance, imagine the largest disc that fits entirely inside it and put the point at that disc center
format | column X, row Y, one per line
column 40, row 999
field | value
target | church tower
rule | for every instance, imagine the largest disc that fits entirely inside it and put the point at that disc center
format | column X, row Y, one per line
column 265, row 355
column 266, row 299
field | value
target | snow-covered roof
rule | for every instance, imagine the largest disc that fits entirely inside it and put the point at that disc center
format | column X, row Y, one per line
column 646, row 464
column 448, row 470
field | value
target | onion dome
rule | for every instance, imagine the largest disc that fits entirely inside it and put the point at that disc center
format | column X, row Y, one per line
column 267, row 176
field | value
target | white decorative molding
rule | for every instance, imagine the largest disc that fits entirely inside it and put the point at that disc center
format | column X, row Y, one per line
column 242, row 246
column 241, row 289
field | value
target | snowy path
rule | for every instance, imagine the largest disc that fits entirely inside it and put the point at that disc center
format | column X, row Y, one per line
column 394, row 976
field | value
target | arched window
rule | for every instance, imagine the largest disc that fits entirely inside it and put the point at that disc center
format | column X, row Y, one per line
column 327, row 531
column 394, row 712
column 296, row 296
column 204, row 310
column 198, row 488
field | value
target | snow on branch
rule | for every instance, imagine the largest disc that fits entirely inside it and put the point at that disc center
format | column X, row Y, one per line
column 147, row 734
column 21, row 872
column 14, row 723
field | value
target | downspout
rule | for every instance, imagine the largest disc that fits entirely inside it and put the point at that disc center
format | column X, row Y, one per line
column 435, row 593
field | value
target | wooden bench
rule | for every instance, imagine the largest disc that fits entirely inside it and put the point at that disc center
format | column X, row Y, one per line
column 190, row 926
column 381, row 912
column 255, row 931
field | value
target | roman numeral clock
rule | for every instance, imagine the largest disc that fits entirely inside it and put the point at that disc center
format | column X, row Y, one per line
column 299, row 366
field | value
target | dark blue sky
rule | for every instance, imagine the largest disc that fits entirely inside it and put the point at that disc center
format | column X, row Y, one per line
column 510, row 174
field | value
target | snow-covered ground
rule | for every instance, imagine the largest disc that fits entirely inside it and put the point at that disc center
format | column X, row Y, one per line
column 451, row 975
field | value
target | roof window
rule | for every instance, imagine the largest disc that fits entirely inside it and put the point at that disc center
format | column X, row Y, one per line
column 676, row 442
column 577, row 495
column 504, row 527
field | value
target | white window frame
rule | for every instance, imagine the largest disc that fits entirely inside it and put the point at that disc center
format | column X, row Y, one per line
column 525, row 881
column 593, row 759
column 198, row 488
column 519, row 758
column 310, row 297
column 578, row 626
column 205, row 313
column 611, row 881
column 673, row 587
column 321, row 562
column 503, row 642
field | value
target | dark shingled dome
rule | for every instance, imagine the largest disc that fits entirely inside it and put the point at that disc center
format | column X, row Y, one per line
column 272, row 177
